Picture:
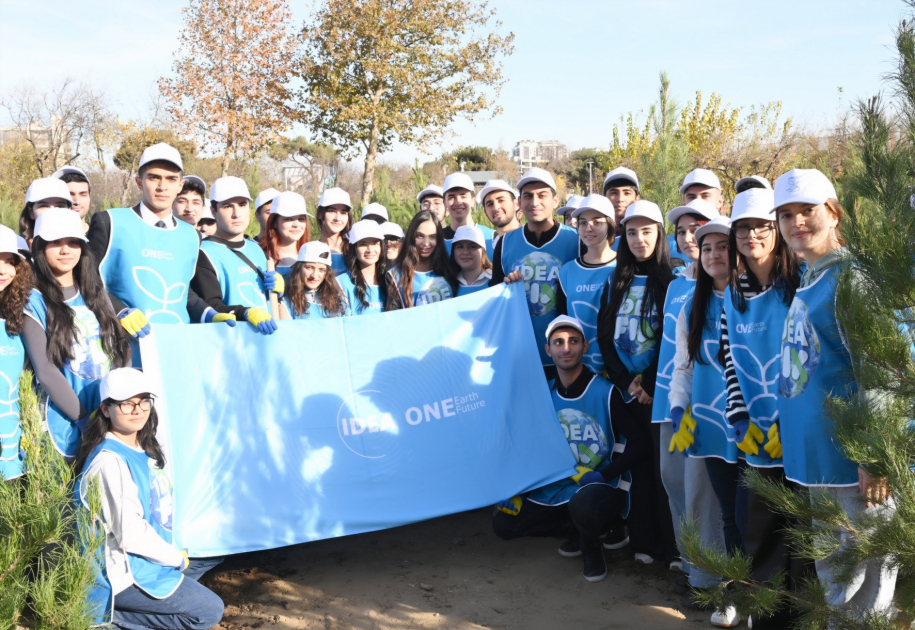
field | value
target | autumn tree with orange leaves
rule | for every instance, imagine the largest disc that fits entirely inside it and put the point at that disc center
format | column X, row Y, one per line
column 376, row 72
column 231, row 71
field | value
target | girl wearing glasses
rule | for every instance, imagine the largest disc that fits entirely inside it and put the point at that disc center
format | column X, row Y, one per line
column 142, row 581
column 422, row 273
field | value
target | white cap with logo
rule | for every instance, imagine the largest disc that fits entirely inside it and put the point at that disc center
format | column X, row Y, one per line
column 315, row 252
column 161, row 153
column 803, row 185
column 697, row 206
column 537, row 175
column 469, row 233
column 334, row 196
column 430, row 191
column 595, row 202
column 751, row 181
column 564, row 321
column 123, row 383
column 621, row 173
column 9, row 242
column 571, row 204
column 458, row 181
column 700, row 176
column 265, row 196
column 67, row 170
column 495, row 185
column 392, row 230
column 365, row 229
column 753, row 203
column 229, row 187
column 57, row 223
column 643, row 208
column 718, row 225
column 289, row 204
column 375, row 209
column 47, row 188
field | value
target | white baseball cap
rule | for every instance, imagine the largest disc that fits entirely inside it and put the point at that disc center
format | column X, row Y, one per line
column 643, row 208
column 458, row 180
column 718, row 225
column 206, row 213
column 571, row 204
column 621, row 172
column 333, row 196
column 495, row 185
column 289, row 204
column 9, row 242
column 430, row 191
column 537, row 175
column 595, row 202
column 696, row 206
column 47, row 188
column 67, row 170
column 264, row 196
column 392, row 229
column 803, row 185
column 197, row 180
column 229, row 187
column 564, row 321
column 751, row 181
column 315, row 252
column 22, row 244
column 701, row 176
column 469, row 233
column 376, row 209
column 365, row 229
column 161, row 153
column 55, row 223
column 753, row 203
column 123, row 383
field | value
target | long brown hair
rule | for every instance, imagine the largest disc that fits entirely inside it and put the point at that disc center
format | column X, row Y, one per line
column 100, row 424
column 270, row 239
column 408, row 258
column 329, row 294
column 27, row 223
column 16, row 296
column 319, row 217
column 456, row 268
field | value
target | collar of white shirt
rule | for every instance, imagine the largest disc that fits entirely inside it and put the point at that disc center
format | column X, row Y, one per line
column 147, row 215
column 486, row 276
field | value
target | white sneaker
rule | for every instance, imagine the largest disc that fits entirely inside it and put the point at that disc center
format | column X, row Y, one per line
column 750, row 622
column 676, row 565
column 643, row 558
column 727, row 618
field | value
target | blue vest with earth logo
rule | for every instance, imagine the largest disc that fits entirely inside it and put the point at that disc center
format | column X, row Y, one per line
column 815, row 365
column 428, row 287
column 679, row 293
column 84, row 372
column 12, row 358
column 636, row 340
column 715, row 437
column 755, row 338
column 156, row 495
column 149, row 268
column 372, row 296
column 583, row 287
column 585, row 421
column 540, row 267
column 241, row 285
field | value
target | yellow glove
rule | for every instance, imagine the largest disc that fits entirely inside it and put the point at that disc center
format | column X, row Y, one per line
column 751, row 441
column 274, row 281
column 774, row 446
column 512, row 506
column 185, row 561
column 261, row 319
column 134, row 322
column 684, row 438
column 582, row 470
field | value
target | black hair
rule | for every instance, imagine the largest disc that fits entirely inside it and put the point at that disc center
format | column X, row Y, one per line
column 76, row 177
column 377, row 218
column 100, row 424
column 786, row 273
column 191, row 186
column 159, row 164
column 748, row 185
column 390, row 296
column 621, row 182
column 408, row 258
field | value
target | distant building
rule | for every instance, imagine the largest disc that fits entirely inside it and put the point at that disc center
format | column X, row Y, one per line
column 41, row 135
column 529, row 153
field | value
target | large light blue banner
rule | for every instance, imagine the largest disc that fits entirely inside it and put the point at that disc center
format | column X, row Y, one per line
column 339, row 426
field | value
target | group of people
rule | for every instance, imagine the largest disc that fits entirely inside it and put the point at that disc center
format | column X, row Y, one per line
column 674, row 362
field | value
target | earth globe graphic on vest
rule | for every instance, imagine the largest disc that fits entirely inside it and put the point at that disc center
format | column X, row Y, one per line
column 800, row 352
column 585, row 436
column 633, row 335
column 161, row 497
column 541, row 276
column 89, row 362
column 436, row 290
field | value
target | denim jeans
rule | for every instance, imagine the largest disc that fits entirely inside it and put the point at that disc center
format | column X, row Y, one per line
column 703, row 507
column 732, row 498
column 191, row 607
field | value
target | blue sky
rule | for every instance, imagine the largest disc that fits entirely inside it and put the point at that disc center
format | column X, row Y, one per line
column 578, row 65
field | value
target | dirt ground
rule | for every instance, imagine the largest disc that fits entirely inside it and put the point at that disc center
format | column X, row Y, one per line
column 450, row 572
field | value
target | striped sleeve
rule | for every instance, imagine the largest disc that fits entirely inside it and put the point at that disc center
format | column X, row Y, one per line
column 736, row 409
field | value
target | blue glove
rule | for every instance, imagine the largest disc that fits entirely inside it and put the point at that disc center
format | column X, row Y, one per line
column 273, row 281
column 591, row 477
column 676, row 415
column 510, row 506
column 261, row 319
column 212, row 316
column 134, row 322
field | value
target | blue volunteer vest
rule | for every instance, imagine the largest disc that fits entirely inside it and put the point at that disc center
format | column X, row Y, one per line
column 815, row 364
column 372, row 296
column 428, row 287
column 156, row 495
column 679, row 293
column 241, row 285
column 488, row 233
column 635, row 340
column 12, row 358
column 583, row 287
column 755, row 337
column 315, row 310
column 83, row 373
column 338, row 262
column 588, row 429
column 467, row 290
column 148, row 268
column 715, row 437
column 540, row 268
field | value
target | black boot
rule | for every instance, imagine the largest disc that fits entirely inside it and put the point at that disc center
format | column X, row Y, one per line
column 595, row 565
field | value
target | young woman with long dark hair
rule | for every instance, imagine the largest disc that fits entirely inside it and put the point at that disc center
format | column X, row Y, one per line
column 422, row 273
column 335, row 219
column 286, row 231
column 72, row 334
column 367, row 285
column 312, row 290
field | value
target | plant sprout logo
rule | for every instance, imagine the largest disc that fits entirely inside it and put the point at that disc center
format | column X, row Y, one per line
column 585, row 436
column 10, row 429
column 800, row 351
column 587, row 315
column 435, row 290
column 161, row 497
column 541, row 278
column 162, row 294
column 758, row 382
column 633, row 335
column 90, row 362
column 711, row 412
column 251, row 295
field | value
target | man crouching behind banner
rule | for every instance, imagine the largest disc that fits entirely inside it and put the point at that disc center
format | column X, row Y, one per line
column 585, row 504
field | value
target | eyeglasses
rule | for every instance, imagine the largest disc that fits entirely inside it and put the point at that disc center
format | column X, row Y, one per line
column 128, row 406
column 591, row 223
column 761, row 231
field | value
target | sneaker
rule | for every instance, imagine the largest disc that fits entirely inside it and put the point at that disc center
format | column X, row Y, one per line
column 681, row 586
column 572, row 547
column 750, row 618
column 595, row 566
column 617, row 538
column 727, row 618
column 676, row 565
column 689, row 602
column 642, row 558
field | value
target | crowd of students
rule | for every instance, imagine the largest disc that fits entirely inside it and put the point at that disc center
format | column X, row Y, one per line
column 674, row 362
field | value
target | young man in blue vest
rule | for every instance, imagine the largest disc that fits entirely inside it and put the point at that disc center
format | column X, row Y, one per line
column 146, row 256
column 538, row 250
column 231, row 274
column 596, row 495
column 459, row 199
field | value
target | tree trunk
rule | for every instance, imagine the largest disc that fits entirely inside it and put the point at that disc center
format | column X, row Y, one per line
column 368, row 176
column 225, row 163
